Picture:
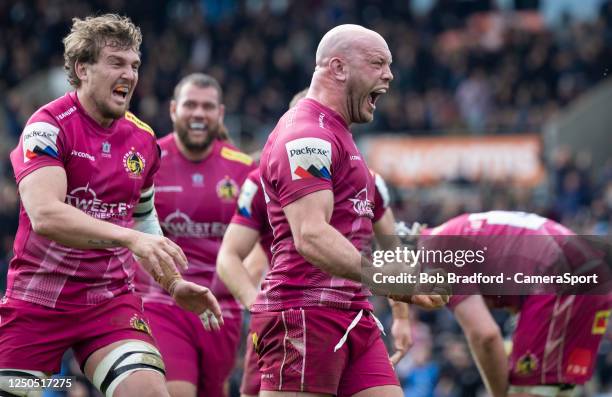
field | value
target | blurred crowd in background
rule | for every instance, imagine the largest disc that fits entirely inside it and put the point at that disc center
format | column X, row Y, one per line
column 449, row 79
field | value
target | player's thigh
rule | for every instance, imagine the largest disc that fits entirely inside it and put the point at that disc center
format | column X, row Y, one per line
column 176, row 340
column 33, row 337
column 127, row 368
column 381, row 391
column 248, row 395
column 179, row 388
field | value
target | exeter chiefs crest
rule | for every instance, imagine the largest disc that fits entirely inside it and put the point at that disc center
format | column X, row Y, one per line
column 227, row 189
column 134, row 163
column 140, row 324
column 526, row 364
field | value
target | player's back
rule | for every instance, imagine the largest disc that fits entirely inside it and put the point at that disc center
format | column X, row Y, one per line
column 515, row 243
column 106, row 168
column 311, row 149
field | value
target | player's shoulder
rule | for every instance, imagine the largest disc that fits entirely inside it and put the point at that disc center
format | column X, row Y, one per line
column 304, row 120
column 166, row 142
column 232, row 154
column 254, row 175
column 55, row 113
column 137, row 125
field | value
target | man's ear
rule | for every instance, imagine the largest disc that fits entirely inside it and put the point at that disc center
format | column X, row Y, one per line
column 338, row 68
column 221, row 113
column 173, row 110
column 81, row 70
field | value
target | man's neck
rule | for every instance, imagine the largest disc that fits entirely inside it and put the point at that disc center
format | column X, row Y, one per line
column 330, row 97
column 192, row 155
column 91, row 109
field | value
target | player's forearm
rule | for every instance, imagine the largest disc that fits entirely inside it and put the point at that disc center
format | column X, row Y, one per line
column 256, row 264
column 69, row 226
column 329, row 250
column 399, row 310
column 384, row 231
column 326, row 248
column 236, row 277
column 491, row 359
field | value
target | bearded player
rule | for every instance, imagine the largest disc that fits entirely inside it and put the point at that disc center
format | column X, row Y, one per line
column 196, row 191
column 85, row 168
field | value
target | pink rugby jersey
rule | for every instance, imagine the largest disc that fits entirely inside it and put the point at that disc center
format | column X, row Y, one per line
column 251, row 211
column 518, row 235
column 312, row 149
column 106, row 170
column 195, row 202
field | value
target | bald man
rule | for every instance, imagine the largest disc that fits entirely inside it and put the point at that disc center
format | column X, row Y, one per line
column 313, row 328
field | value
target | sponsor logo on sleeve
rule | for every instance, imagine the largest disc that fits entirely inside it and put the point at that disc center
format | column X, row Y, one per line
column 245, row 200
column 40, row 139
column 602, row 317
column 309, row 158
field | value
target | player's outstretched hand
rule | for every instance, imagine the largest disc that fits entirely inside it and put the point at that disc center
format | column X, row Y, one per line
column 198, row 299
column 401, row 331
column 159, row 256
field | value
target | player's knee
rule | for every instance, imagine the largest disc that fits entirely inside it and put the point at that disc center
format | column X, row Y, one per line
column 181, row 389
column 14, row 382
column 134, row 365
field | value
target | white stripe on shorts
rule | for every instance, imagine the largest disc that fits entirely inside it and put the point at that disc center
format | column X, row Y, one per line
column 280, row 383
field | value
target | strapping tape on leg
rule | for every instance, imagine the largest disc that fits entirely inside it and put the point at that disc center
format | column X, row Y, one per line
column 122, row 361
column 543, row 390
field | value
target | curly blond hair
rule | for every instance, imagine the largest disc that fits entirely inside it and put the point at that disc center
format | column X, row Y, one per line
column 88, row 36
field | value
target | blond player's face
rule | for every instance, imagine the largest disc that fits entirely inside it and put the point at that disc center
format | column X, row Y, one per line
column 197, row 115
column 370, row 75
column 112, row 79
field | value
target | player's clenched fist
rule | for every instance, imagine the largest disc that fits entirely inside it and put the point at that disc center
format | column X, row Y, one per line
column 431, row 295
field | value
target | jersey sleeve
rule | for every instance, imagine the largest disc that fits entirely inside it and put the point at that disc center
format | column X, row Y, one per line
column 154, row 167
column 41, row 145
column 302, row 165
column 455, row 300
column 249, row 211
column 381, row 197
